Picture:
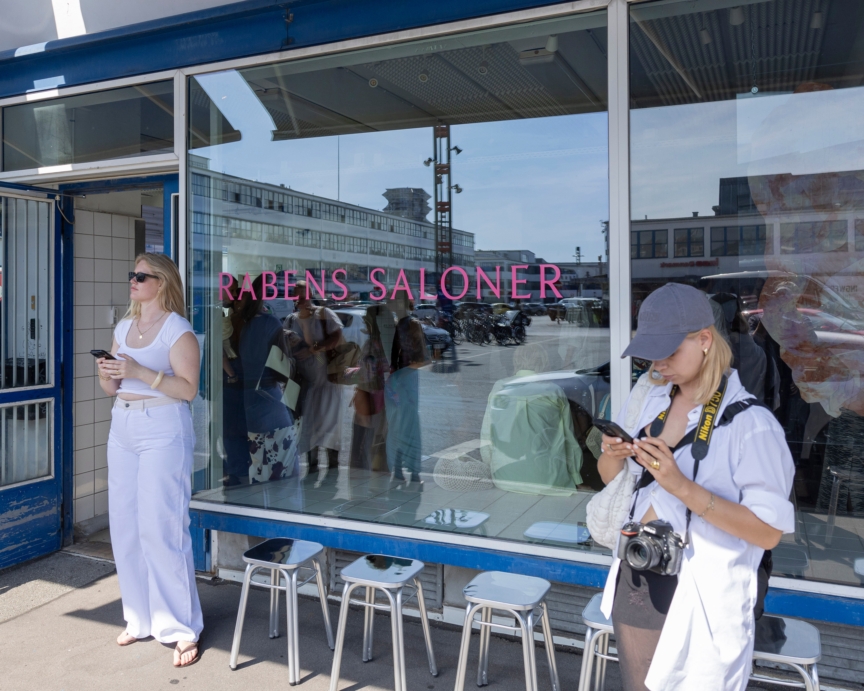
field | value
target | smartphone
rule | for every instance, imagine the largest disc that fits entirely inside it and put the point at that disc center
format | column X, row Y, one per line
column 611, row 429
column 102, row 353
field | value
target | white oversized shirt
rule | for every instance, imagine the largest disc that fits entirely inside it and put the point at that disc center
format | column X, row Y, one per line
column 707, row 639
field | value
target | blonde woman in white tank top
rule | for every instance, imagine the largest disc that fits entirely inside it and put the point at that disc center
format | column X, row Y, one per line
column 150, row 460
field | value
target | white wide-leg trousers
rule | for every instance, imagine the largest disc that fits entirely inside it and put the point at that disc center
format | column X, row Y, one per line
column 149, row 486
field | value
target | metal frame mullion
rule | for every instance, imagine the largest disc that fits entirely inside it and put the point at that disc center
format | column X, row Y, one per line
column 619, row 200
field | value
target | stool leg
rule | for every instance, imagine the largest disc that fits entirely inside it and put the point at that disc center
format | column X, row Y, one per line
column 325, row 608
column 424, row 622
column 526, row 623
column 603, row 662
column 549, row 642
column 396, row 632
column 485, row 634
column 814, row 677
column 274, row 603
column 470, row 611
column 241, row 615
column 293, row 629
column 587, row 660
column 340, row 635
column 602, row 644
column 368, row 624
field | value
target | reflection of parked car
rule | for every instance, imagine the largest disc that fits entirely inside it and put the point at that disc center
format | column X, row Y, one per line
column 501, row 307
column 534, row 308
column 426, row 311
column 829, row 329
column 437, row 340
column 588, row 392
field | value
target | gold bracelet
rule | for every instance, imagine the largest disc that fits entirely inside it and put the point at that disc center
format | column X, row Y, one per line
column 710, row 506
column 104, row 378
column 158, row 379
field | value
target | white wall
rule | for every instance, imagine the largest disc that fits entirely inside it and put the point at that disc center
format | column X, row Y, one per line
column 104, row 251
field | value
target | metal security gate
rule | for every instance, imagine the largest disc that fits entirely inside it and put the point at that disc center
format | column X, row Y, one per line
column 30, row 458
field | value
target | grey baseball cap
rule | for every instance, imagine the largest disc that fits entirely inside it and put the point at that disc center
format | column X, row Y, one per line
column 666, row 317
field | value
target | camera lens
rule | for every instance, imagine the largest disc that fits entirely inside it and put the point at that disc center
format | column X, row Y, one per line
column 642, row 554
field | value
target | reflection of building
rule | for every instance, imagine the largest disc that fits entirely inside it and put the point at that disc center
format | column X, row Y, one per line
column 819, row 224
column 269, row 227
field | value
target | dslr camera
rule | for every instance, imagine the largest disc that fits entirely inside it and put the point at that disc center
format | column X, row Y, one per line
column 653, row 547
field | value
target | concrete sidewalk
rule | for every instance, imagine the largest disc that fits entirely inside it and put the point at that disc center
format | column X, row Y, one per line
column 59, row 636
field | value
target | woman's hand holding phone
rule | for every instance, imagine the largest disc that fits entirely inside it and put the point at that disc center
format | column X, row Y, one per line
column 615, row 447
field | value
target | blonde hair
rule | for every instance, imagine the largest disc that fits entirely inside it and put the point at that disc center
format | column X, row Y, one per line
column 170, row 293
column 716, row 363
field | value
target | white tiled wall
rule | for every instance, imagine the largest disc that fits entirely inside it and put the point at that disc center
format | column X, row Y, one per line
column 104, row 251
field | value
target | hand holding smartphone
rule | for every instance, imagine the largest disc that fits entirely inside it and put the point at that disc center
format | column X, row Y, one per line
column 102, row 354
column 612, row 429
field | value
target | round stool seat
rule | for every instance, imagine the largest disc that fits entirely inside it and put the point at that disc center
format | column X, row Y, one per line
column 507, row 590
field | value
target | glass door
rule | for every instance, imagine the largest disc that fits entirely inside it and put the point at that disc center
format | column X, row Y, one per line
column 30, row 458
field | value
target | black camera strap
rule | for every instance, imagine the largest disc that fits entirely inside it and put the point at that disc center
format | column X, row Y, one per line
column 699, row 437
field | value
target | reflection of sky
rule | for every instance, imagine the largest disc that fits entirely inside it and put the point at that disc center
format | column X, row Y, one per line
column 679, row 153
column 533, row 184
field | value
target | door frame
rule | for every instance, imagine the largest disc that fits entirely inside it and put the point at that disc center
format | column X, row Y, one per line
column 45, row 523
column 67, row 193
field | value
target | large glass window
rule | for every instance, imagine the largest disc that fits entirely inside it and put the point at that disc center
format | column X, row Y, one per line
column 746, row 115
column 444, row 203
column 120, row 123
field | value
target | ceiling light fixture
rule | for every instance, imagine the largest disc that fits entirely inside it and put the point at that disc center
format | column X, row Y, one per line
column 423, row 77
column 705, row 36
column 552, row 44
column 483, row 67
column 373, row 82
column 736, row 16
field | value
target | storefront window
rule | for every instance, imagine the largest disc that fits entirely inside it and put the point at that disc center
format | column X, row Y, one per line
column 746, row 116
column 444, row 204
column 120, row 123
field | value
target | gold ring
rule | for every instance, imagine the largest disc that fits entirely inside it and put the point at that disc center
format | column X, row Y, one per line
column 655, row 465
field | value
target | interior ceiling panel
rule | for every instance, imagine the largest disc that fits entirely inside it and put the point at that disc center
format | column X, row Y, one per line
column 774, row 48
column 475, row 84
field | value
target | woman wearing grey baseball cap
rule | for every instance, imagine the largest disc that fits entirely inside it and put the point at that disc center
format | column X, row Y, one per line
column 713, row 475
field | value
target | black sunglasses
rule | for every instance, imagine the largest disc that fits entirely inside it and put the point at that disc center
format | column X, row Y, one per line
column 140, row 276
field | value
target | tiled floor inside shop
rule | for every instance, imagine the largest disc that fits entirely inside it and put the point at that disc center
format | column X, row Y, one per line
column 374, row 497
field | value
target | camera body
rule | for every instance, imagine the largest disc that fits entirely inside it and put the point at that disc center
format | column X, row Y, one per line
column 653, row 546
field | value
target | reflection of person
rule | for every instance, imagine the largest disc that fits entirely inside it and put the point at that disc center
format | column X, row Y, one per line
column 695, row 629
column 748, row 358
column 234, row 432
column 272, row 434
column 150, row 459
column 313, row 332
column 402, row 402
column 368, row 439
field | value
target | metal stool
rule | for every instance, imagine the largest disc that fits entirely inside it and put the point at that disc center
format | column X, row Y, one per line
column 785, row 641
column 286, row 557
column 521, row 596
column 597, row 631
column 390, row 575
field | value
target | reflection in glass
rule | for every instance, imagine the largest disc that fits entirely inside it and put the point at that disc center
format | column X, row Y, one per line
column 430, row 235
column 120, row 123
column 750, row 126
